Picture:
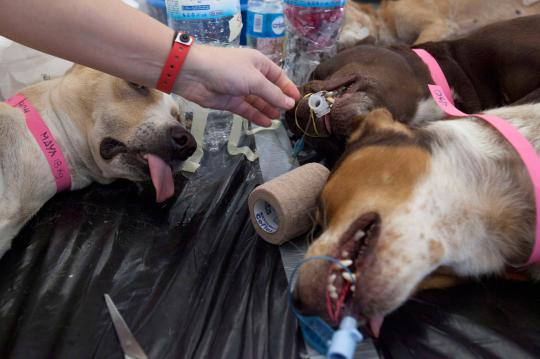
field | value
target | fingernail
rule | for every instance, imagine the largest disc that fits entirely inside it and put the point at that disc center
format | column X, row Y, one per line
column 290, row 102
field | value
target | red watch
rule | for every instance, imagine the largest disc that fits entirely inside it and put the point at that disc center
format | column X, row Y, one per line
column 179, row 51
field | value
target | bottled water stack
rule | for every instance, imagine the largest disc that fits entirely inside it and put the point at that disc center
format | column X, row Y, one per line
column 211, row 22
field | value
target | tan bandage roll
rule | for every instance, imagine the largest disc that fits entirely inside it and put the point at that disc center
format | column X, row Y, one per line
column 283, row 208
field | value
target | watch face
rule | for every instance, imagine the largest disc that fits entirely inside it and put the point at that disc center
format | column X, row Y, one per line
column 184, row 39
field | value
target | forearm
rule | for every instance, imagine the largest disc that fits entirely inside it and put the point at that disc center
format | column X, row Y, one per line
column 104, row 34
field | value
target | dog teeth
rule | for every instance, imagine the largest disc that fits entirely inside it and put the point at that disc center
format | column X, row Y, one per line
column 359, row 235
column 346, row 262
column 332, row 278
column 348, row 276
column 330, row 100
column 331, row 288
column 345, row 254
column 353, row 288
column 334, row 295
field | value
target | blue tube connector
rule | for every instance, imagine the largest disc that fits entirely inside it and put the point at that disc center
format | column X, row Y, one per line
column 344, row 340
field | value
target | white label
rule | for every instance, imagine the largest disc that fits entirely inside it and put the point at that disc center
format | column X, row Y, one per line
column 257, row 23
column 278, row 25
column 266, row 216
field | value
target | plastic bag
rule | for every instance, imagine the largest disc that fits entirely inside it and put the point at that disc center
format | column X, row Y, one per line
column 22, row 66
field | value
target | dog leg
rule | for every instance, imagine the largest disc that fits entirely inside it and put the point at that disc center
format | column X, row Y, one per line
column 13, row 217
column 437, row 31
column 441, row 278
column 8, row 231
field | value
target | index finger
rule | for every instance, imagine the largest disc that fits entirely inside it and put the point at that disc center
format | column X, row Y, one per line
column 275, row 74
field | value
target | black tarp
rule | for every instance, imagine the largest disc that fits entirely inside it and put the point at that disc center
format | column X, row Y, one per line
column 490, row 319
column 190, row 277
column 193, row 280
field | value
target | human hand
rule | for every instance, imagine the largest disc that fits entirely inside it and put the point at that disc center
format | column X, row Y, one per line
column 242, row 81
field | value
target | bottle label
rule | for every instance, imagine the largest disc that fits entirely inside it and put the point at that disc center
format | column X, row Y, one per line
column 316, row 3
column 201, row 9
column 265, row 25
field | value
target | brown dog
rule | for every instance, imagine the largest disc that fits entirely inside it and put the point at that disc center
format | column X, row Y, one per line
column 492, row 67
column 417, row 21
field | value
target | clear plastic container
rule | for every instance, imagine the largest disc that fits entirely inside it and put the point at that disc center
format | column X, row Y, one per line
column 266, row 28
column 215, row 22
column 313, row 27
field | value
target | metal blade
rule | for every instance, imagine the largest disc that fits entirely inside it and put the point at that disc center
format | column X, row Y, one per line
column 127, row 340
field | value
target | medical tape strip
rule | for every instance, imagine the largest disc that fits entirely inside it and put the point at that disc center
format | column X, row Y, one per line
column 198, row 125
column 234, row 140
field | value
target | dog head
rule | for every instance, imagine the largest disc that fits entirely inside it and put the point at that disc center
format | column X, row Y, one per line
column 132, row 132
column 403, row 202
column 361, row 79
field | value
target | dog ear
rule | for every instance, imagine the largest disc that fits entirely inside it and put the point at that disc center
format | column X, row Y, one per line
column 377, row 121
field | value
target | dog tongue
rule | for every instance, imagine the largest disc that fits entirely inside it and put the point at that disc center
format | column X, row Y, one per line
column 375, row 325
column 162, row 178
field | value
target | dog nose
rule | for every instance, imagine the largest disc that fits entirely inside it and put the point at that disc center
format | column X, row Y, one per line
column 179, row 135
column 183, row 141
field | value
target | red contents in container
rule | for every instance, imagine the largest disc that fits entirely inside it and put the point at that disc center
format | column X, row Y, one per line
column 319, row 25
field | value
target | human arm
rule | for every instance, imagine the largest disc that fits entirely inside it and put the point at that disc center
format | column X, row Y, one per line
column 117, row 39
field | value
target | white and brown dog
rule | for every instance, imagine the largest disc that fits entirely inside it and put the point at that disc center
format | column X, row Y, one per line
column 418, row 21
column 403, row 202
column 106, row 128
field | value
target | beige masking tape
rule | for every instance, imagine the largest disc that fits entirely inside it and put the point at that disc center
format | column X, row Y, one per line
column 198, row 125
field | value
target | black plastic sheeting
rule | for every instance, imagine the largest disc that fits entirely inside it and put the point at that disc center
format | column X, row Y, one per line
column 491, row 319
column 193, row 280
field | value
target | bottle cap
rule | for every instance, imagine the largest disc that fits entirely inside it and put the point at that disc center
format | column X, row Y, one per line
column 345, row 340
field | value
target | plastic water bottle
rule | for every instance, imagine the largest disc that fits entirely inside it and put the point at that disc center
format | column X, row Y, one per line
column 243, row 9
column 266, row 28
column 157, row 9
column 313, row 27
column 215, row 22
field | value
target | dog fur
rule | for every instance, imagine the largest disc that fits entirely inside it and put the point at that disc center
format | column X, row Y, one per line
column 418, row 21
column 448, row 194
column 104, row 126
column 482, row 70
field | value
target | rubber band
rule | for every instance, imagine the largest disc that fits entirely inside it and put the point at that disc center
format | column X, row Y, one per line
column 311, row 116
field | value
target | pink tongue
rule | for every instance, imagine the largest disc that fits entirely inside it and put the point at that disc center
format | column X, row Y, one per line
column 375, row 325
column 161, row 177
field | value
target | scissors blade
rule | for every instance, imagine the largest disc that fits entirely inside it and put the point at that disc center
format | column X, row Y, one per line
column 128, row 342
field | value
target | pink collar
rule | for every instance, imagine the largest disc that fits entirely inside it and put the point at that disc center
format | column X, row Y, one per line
column 443, row 97
column 45, row 140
